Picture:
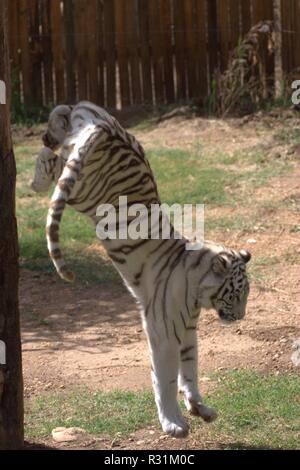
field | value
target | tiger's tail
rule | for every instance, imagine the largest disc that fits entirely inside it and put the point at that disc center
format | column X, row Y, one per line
column 82, row 147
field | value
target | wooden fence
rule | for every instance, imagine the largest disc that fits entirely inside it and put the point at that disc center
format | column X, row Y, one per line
column 119, row 53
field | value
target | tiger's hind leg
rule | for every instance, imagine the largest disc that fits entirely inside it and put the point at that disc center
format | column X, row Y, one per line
column 164, row 373
column 188, row 378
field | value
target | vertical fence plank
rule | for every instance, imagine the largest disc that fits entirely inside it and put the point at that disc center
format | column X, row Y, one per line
column 143, row 15
column 14, row 45
column 47, row 52
column 297, row 34
column 25, row 53
column 289, row 33
column 157, row 56
column 263, row 11
column 110, row 51
column 57, row 49
column 190, row 43
column 70, row 51
column 246, row 16
column 166, row 22
column 10, row 33
column 224, row 31
column 179, row 27
column 269, row 59
column 235, row 33
column 201, row 51
column 293, row 37
column 212, row 37
column 268, row 10
column 122, row 51
column 36, row 53
column 92, row 50
column 133, row 42
column 100, row 60
column 81, row 31
column 257, row 11
column 13, row 33
column 285, row 15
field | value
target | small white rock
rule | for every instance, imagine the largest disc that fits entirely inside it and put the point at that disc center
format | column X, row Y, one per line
column 67, row 434
column 252, row 241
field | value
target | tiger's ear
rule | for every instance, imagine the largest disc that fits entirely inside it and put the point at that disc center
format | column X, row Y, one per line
column 221, row 264
column 245, row 255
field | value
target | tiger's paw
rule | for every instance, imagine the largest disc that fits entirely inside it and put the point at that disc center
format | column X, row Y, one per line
column 205, row 412
column 180, row 430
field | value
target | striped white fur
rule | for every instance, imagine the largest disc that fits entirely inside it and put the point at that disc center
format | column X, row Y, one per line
column 102, row 162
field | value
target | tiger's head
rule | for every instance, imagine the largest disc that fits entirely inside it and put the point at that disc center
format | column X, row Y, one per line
column 230, row 300
column 226, row 286
column 44, row 173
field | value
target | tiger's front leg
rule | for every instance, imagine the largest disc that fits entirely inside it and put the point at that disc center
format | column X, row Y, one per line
column 188, row 377
column 164, row 372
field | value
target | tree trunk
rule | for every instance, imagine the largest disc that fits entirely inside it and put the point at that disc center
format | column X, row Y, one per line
column 11, row 384
column 278, row 49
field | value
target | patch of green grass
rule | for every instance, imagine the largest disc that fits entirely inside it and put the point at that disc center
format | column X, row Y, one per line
column 104, row 413
column 184, row 178
column 187, row 177
column 257, row 410
column 228, row 223
column 25, row 157
column 254, row 411
column 264, row 173
column 229, row 159
column 87, row 269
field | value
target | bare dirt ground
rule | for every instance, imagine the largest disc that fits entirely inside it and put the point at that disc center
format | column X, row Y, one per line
column 76, row 335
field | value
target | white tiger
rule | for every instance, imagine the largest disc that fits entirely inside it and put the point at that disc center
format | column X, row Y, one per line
column 99, row 161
